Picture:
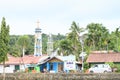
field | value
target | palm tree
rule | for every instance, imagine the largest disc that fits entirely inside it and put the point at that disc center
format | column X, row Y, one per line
column 91, row 34
column 117, row 33
column 74, row 37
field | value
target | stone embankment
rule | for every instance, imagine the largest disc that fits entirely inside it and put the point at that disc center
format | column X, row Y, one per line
column 61, row 76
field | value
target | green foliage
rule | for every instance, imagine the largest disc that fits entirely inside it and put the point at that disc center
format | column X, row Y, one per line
column 112, row 65
column 44, row 43
column 98, row 36
column 4, row 44
column 118, row 67
column 30, row 47
column 115, row 40
column 65, row 46
column 23, row 41
column 57, row 40
column 15, row 49
column 74, row 37
column 58, row 37
column 86, row 66
column 4, row 41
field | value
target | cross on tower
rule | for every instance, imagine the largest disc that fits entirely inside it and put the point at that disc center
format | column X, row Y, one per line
column 38, row 23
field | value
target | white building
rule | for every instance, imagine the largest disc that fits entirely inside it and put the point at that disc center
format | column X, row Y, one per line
column 20, row 63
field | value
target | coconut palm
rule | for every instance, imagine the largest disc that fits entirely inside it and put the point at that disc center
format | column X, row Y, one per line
column 117, row 33
column 74, row 36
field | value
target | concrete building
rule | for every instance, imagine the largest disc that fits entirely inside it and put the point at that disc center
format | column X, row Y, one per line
column 38, row 41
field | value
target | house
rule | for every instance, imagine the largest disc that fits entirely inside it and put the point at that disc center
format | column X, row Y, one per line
column 53, row 64
column 97, row 58
column 20, row 63
column 56, row 64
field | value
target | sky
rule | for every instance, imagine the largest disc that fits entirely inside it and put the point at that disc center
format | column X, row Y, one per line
column 56, row 16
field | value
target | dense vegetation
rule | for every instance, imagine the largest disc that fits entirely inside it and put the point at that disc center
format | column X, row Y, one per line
column 96, row 38
column 16, row 44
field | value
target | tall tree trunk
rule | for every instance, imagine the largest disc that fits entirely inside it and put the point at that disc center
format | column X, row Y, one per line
column 4, row 70
column 23, row 51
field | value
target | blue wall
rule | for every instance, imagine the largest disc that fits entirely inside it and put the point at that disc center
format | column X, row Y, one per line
column 42, row 66
column 47, row 66
column 55, row 66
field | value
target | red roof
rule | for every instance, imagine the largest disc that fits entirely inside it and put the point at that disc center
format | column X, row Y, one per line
column 103, row 57
column 24, row 60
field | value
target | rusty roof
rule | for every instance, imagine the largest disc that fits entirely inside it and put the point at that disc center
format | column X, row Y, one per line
column 103, row 57
column 29, row 59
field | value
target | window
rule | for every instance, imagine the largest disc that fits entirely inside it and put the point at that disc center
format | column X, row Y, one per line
column 96, row 65
column 17, row 67
column 51, row 66
column 7, row 65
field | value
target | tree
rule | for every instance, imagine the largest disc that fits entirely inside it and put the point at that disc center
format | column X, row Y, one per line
column 4, row 43
column 114, row 40
column 23, row 41
column 44, row 43
column 74, row 36
column 97, row 36
column 117, row 34
column 14, row 48
column 30, row 48
column 65, row 46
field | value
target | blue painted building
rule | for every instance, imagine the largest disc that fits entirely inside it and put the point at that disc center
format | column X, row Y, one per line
column 58, row 64
column 52, row 65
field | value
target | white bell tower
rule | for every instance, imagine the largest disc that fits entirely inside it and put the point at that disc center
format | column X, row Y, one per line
column 38, row 41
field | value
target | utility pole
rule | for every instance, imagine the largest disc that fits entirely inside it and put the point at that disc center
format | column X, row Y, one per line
column 83, row 54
